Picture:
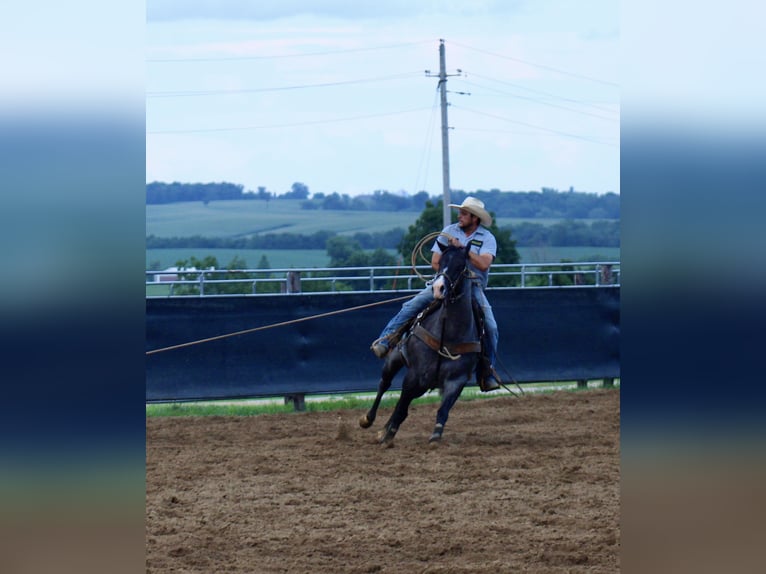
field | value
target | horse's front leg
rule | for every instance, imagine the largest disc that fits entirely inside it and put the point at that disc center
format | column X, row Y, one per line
column 393, row 364
column 450, row 395
column 410, row 391
column 386, row 436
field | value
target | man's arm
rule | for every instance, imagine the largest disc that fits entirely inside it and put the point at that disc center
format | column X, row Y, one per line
column 436, row 256
column 481, row 262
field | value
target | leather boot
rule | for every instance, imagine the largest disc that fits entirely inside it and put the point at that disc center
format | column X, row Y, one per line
column 490, row 382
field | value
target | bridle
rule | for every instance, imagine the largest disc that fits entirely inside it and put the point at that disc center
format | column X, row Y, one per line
column 449, row 283
column 455, row 350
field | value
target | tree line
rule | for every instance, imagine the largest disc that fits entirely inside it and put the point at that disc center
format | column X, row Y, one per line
column 345, row 251
column 547, row 203
column 527, row 234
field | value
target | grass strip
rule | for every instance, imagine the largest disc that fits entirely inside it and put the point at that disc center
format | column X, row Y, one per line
column 266, row 406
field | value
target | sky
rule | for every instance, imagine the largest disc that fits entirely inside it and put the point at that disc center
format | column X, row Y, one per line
column 334, row 94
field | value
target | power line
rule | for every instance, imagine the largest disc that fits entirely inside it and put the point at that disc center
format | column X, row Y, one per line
column 542, row 66
column 542, row 93
column 549, row 130
column 186, row 93
column 425, row 157
column 280, row 56
column 291, row 125
column 526, row 133
column 544, row 103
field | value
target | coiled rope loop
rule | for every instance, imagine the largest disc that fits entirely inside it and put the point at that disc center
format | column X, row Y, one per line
column 418, row 251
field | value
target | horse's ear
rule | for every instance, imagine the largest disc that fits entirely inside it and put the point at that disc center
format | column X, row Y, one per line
column 442, row 246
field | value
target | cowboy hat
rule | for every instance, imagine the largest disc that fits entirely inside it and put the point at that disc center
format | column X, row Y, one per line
column 476, row 207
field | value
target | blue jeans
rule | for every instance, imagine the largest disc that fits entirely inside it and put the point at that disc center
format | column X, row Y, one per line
column 420, row 301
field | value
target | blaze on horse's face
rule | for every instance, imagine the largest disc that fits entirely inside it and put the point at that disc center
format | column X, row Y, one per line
column 451, row 266
column 439, row 287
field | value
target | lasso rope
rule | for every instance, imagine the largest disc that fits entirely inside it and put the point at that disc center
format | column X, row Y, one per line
column 282, row 324
column 417, row 250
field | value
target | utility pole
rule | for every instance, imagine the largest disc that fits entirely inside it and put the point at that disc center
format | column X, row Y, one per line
column 445, row 127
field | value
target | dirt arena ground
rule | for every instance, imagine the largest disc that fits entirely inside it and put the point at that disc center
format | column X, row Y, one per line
column 527, row 484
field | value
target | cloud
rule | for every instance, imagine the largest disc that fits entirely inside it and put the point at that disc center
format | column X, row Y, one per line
column 168, row 10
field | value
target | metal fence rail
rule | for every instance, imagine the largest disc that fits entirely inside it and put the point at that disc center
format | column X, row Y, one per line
column 264, row 282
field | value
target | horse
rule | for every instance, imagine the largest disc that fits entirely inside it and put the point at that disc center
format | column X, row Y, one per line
column 440, row 351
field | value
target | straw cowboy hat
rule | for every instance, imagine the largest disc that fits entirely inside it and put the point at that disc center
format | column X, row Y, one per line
column 476, row 207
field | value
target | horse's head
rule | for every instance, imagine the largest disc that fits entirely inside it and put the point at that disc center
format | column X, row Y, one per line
column 451, row 267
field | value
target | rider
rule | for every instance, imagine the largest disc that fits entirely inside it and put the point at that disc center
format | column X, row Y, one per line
column 471, row 227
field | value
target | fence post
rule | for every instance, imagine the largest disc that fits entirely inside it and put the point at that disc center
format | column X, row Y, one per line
column 606, row 274
column 292, row 282
column 298, row 400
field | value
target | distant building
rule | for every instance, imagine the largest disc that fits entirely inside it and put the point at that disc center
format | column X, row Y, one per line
column 171, row 274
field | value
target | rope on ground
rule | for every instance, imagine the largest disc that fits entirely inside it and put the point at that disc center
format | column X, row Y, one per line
column 282, row 324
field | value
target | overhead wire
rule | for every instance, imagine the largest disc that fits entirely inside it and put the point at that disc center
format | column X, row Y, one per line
column 427, row 145
column 543, row 93
column 426, row 153
column 288, row 125
column 542, row 102
column 590, row 139
column 174, row 94
column 282, row 56
column 541, row 66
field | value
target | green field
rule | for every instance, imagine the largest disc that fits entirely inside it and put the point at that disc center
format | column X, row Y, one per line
column 241, row 218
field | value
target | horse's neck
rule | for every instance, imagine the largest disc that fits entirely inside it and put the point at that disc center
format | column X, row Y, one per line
column 454, row 321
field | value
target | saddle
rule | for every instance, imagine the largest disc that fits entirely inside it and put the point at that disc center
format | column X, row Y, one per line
column 415, row 328
column 452, row 351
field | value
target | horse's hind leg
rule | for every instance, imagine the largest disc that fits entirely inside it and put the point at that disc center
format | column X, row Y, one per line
column 393, row 364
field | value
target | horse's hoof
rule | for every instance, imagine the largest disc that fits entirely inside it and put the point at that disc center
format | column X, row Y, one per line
column 387, row 441
column 386, row 437
column 436, row 436
column 364, row 422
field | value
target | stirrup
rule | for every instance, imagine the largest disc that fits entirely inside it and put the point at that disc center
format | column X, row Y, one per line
column 379, row 349
column 489, row 383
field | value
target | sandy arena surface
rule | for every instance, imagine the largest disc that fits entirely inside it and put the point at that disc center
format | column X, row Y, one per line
column 527, row 484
